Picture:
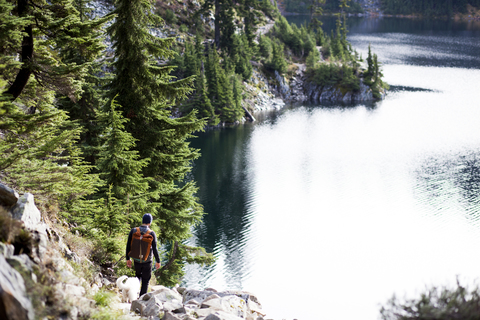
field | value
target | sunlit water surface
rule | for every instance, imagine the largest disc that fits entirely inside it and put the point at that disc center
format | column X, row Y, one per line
column 326, row 212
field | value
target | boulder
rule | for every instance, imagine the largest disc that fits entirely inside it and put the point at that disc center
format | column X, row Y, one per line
column 6, row 250
column 171, row 316
column 14, row 304
column 8, row 196
column 197, row 295
column 137, row 306
column 22, row 263
column 153, row 307
column 171, row 299
column 26, row 211
column 222, row 315
column 230, row 304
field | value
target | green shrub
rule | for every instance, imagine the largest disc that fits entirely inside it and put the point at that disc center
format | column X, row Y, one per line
column 435, row 303
column 170, row 17
column 183, row 28
column 103, row 298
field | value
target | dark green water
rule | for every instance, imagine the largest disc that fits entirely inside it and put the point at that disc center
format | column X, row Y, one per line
column 347, row 206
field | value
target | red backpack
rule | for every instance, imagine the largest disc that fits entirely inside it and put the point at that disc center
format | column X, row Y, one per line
column 140, row 246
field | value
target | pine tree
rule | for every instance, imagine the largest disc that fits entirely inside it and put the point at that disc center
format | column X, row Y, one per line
column 278, row 61
column 119, row 164
column 146, row 91
column 369, row 73
column 315, row 9
column 212, row 69
column 203, row 103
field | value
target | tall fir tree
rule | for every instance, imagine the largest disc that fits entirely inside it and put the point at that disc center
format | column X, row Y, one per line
column 119, row 164
column 146, row 92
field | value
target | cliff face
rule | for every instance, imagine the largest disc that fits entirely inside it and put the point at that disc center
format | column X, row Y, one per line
column 298, row 89
column 39, row 274
column 317, row 94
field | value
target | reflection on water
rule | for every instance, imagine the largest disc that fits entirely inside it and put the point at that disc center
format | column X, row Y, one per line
column 406, row 88
column 451, row 181
column 221, row 177
column 347, row 205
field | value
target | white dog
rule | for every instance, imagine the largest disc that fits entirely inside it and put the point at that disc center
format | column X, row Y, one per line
column 130, row 288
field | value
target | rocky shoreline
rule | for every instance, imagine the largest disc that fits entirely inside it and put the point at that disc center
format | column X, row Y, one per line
column 189, row 304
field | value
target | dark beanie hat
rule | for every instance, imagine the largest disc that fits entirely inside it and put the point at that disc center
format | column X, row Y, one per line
column 147, row 218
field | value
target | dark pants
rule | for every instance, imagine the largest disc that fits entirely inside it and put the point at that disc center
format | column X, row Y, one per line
column 143, row 271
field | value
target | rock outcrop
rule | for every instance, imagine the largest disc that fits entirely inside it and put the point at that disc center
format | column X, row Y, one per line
column 37, row 249
column 299, row 89
column 189, row 304
column 14, row 303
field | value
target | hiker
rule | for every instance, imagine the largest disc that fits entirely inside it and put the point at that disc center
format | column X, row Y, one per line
column 143, row 239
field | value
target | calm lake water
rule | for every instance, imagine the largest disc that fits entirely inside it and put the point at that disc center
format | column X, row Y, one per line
column 325, row 212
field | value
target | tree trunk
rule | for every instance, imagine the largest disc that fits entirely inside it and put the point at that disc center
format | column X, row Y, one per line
column 217, row 24
column 172, row 258
column 26, row 56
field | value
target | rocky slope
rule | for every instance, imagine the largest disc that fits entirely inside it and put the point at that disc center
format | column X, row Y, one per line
column 40, row 279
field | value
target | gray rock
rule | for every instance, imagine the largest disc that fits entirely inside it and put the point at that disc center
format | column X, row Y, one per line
column 230, row 304
column 40, row 241
column 14, row 304
column 153, row 307
column 137, row 306
column 170, row 298
column 8, row 196
column 26, row 211
column 211, row 297
column 197, row 295
column 221, row 315
column 21, row 262
column 74, row 290
column 171, row 316
column 6, row 250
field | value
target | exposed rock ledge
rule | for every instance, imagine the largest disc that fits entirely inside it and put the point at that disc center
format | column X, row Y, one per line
column 299, row 90
column 188, row 304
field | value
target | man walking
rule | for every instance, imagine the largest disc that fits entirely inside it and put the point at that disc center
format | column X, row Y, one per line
column 141, row 246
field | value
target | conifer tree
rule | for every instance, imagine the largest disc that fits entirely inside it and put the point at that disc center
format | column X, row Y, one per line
column 212, row 71
column 91, row 99
column 119, row 164
column 315, row 9
column 369, row 73
column 277, row 62
column 204, row 105
column 146, row 91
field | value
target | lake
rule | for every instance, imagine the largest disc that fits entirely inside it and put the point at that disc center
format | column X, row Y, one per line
column 325, row 212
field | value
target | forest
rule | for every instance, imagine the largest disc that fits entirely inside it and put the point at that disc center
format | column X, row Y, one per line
column 328, row 6
column 428, row 8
